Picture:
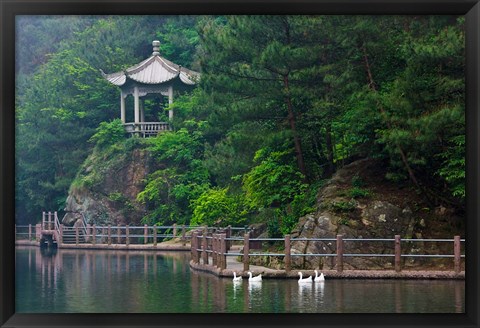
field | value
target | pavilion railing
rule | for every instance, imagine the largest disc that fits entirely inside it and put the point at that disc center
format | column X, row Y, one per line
column 147, row 129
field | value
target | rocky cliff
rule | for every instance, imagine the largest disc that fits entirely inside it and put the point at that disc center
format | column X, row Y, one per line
column 358, row 202
column 107, row 185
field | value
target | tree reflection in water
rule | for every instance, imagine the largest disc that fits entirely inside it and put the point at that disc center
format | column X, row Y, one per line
column 100, row 281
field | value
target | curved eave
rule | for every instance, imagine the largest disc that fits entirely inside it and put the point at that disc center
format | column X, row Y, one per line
column 118, row 78
column 154, row 70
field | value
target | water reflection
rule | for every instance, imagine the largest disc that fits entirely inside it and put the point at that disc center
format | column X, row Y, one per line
column 75, row 281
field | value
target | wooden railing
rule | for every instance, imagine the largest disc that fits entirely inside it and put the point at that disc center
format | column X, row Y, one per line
column 206, row 247
column 147, row 129
column 94, row 234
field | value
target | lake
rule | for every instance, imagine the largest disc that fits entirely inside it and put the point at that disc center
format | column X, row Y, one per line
column 110, row 281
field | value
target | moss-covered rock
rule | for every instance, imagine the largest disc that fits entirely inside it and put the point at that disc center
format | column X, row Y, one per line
column 107, row 185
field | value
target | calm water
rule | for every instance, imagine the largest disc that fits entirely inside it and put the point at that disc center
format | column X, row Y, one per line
column 82, row 281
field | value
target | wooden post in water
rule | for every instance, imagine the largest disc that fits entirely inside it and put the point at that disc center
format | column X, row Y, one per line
column 145, row 234
column 246, row 250
column 127, row 235
column 184, row 231
column 223, row 251
column 339, row 262
column 94, row 234
column 204, row 247
column 398, row 254
column 109, row 240
column 154, row 236
column 456, row 254
column 288, row 259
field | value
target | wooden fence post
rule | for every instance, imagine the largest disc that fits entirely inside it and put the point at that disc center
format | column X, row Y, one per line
column 193, row 251
column 76, row 235
column 184, row 231
column 104, row 233
column 119, row 233
column 398, row 254
column 154, row 236
column 204, row 248
column 246, row 249
column 60, row 235
column 29, row 232
column 197, row 244
column 127, row 235
column 145, row 234
column 215, row 250
column 456, row 253
column 288, row 258
column 174, row 230
column 89, row 233
column 109, row 241
column 229, row 234
column 43, row 220
column 223, row 251
column 339, row 262
column 94, row 234
column 49, row 220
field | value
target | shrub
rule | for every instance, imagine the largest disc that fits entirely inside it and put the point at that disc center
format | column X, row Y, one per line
column 108, row 133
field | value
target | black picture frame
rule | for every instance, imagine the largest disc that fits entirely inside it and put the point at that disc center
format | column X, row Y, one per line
column 10, row 8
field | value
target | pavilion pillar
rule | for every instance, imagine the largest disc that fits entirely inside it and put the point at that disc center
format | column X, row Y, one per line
column 122, row 107
column 137, row 105
column 142, row 112
column 170, row 101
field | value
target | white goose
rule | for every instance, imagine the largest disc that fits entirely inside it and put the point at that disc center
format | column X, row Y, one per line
column 302, row 280
column 235, row 278
column 318, row 278
column 254, row 279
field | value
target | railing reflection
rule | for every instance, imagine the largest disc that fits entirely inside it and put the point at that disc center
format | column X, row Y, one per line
column 135, row 276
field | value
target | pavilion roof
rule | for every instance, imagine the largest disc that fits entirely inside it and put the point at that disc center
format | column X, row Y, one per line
column 154, row 70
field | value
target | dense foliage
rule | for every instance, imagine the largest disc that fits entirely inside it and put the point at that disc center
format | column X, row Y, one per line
column 283, row 102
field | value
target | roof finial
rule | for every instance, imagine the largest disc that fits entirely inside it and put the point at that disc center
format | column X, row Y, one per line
column 156, row 48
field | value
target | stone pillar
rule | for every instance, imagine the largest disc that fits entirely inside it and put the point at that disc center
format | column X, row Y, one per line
column 122, row 107
column 170, row 101
column 137, row 105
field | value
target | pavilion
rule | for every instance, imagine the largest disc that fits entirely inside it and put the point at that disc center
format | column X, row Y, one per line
column 155, row 75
